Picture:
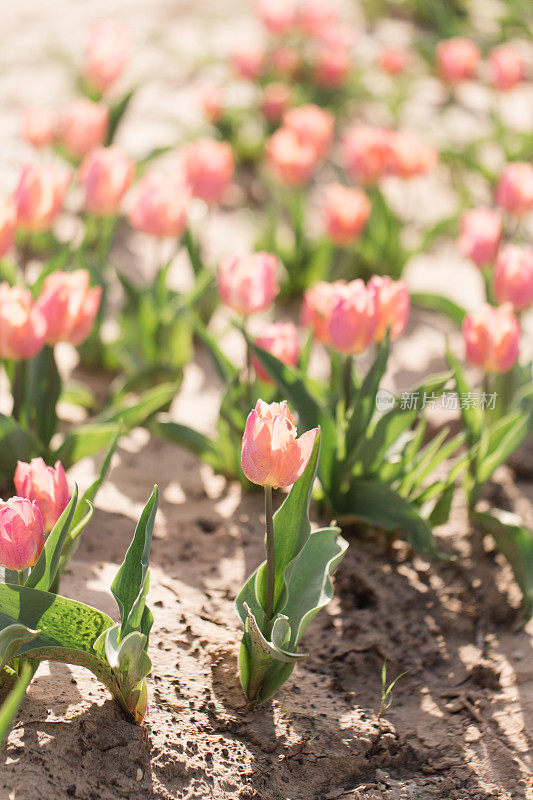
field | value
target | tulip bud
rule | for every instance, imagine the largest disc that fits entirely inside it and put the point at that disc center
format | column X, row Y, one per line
column 22, row 325
column 347, row 211
column 160, row 205
column 457, row 59
column 292, row 161
column 315, row 16
column 21, row 533
column 208, row 167
column 394, row 60
column 366, row 152
column 46, row 486
column 276, row 99
column 39, row 196
column 38, row 126
column 69, row 306
column 271, row 453
column 248, row 283
column 514, row 192
column 278, row 16
column 492, row 337
column 331, row 66
column 8, row 221
column 481, row 231
column 105, row 174
column 354, row 318
column 318, row 304
column 393, row 303
column 281, row 340
column 83, row 126
column 506, row 67
column 312, row 125
column 513, row 276
column 408, row 156
column 108, row 51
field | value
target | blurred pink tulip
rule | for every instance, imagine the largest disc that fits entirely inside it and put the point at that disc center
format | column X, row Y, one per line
column 271, row 453
column 160, row 205
column 394, row 60
column 408, row 156
column 315, row 16
column 513, row 276
column 22, row 325
column 276, row 99
column 286, row 61
column 69, row 306
column 492, row 337
column 393, row 303
column 248, row 283
column 107, row 54
column 366, row 152
column 39, row 196
column 291, row 160
column 481, row 232
column 38, row 126
column 212, row 99
column 106, row 174
column 346, row 211
column 46, row 486
column 21, row 533
column 278, row 16
column 317, row 306
column 514, row 192
column 457, row 59
column 281, row 340
column 354, row 318
column 83, row 126
column 208, row 167
column 505, row 67
column 248, row 61
column 331, row 66
column 8, row 222
column 312, row 125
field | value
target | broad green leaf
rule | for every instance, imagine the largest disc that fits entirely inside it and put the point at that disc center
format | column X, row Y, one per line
column 11, row 639
column 43, row 574
column 440, row 512
column 164, row 428
column 503, row 439
column 13, row 701
column 225, row 368
column 135, row 414
column 85, row 440
column 365, row 401
column 116, row 112
column 443, row 305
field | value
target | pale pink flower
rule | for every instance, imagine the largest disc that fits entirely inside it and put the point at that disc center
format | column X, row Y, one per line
column 106, row 174
column 492, row 337
column 393, row 303
column 280, row 339
column 248, row 283
column 346, row 211
column 480, row 236
column 47, row 486
column 513, row 276
column 39, row 196
column 69, row 306
column 21, row 533
column 22, row 325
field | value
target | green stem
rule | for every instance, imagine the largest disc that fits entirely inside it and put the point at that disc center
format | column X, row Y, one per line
column 270, row 551
column 193, row 250
column 347, row 382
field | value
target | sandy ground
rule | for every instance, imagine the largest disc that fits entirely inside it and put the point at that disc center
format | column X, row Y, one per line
column 461, row 721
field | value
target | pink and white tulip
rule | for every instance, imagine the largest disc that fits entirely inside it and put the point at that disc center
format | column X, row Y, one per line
column 393, row 304
column 492, row 337
column 21, row 533
column 107, row 54
column 457, row 59
column 69, row 306
column 159, row 206
column 38, row 126
column 46, row 486
column 83, row 126
column 346, row 211
column 480, row 236
column 248, row 283
column 513, row 276
column 280, row 340
column 22, row 324
column 106, row 174
column 39, row 196
column 208, row 166
column 514, row 192
column 354, row 318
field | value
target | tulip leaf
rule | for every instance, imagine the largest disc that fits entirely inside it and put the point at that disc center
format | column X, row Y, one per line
column 225, row 368
column 16, row 444
column 44, row 389
column 443, row 305
column 134, row 414
column 365, row 400
column 199, row 444
column 472, row 414
column 116, row 112
column 85, row 440
column 13, row 701
column 43, row 574
column 503, row 439
column 11, row 639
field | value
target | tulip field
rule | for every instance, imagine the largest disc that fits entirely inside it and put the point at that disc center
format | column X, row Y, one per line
column 266, row 400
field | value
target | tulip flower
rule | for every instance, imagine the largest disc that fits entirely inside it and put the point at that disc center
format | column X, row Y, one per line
column 278, row 16
column 492, row 338
column 481, row 232
column 276, row 99
column 331, row 66
column 514, row 192
column 83, row 126
column 457, row 59
column 366, row 152
column 408, row 156
column 354, row 318
column 315, row 16
column 346, row 211
column 8, row 222
column 317, row 307
column 38, row 126
column 513, row 276
column 281, row 340
column 22, row 324
column 69, row 306
column 160, row 205
column 393, row 303
column 248, row 283
column 208, row 167
column 292, row 161
column 248, row 61
column 107, row 53
column 394, row 60
column 21, row 533
column 39, row 196
column 46, row 486
column 505, row 67
column 312, row 125
column 106, row 174
column 286, row 61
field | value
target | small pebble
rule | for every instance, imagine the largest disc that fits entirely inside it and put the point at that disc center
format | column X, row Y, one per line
column 140, row 774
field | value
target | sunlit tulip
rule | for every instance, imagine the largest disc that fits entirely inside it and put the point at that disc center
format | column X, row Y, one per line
column 346, row 211
column 107, row 53
column 22, row 325
column 275, row 101
column 105, row 174
column 159, row 206
column 505, row 67
column 316, row 15
column 312, row 125
column 291, row 160
column 271, row 453
column 408, row 156
column 317, row 306
column 366, row 152
column 481, row 232
column 281, row 340
column 8, row 222
column 208, row 167
column 248, row 283
column 21, row 533
column 38, row 126
column 393, row 303
column 39, row 196
column 248, row 61
column 514, row 192
column 69, row 305
column 331, row 66
column 513, row 276
column 492, row 337
column 354, row 318
column 394, row 60
column 83, row 126
column 47, row 486
column 278, row 16
column 457, row 59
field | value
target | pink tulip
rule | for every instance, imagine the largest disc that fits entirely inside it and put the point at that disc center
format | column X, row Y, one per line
column 492, row 337
column 366, row 152
column 160, row 205
column 354, row 318
column 514, row 192
column 394, row 60
column 105, row 174
column 331, row 66
column 46, row 486
column 317, row 308
column 393, row 303
column 83, row 126
column 481, row 232
column 278, row 16
column 21, row 533
column 312, row 125
column 38, row 126
column 457, row 59
column 513, row 276
column 212, row 99
column 506, row 67
column 39, row 196
column 108, row 51
column 281, row 340
column 286, row 61
column 346, row 211
column 315, row 16
column 291, row 160
column 248, row 283
column 208, row 166
column 271, row 453
column 248, row 61
column 276, row 99
column 22, row 325
column 69, row 306
column 408, row 156
column 8, row 222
